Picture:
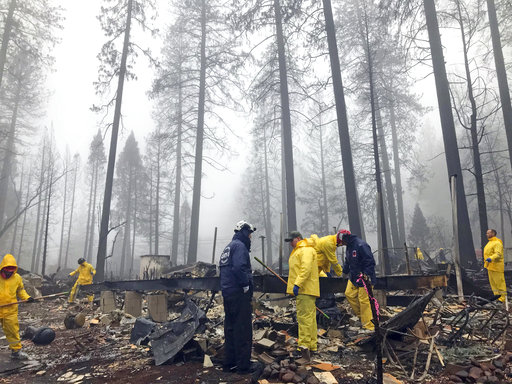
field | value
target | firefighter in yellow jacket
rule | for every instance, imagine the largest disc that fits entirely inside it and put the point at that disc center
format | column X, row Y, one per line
column 11, row 289
column 85, row 274
column 325, row 248
column 303, row 283
column 493, row 261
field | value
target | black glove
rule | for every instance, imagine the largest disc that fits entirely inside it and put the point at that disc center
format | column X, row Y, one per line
column 30, row 300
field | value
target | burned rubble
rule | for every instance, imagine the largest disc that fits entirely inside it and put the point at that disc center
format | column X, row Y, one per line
column 177, row 336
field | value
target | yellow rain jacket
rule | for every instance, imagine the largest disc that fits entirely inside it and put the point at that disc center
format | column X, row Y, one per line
column 303, row 270
column 11, row 289
column 86, row 272
column 494, row 250
column 325, row 248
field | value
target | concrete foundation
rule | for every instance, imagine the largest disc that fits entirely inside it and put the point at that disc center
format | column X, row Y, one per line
column 107, row 301
column 133, row 303
column 157, row 307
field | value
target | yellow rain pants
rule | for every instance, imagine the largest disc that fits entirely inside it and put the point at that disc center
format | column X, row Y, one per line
column 360, row 303
column 306, row 317
column 11, row 330
column 498, row 285
column 74, row 291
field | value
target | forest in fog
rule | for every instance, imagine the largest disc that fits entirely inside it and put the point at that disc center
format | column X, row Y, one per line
column 135, row 127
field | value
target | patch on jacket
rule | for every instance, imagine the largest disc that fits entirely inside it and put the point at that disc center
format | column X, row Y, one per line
column 224, row 258
column 354, row 253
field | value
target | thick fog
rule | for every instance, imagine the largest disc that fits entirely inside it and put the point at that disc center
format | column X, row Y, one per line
column 60, row 81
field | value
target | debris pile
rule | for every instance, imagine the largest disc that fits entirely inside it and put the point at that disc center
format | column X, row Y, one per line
column 435, row 339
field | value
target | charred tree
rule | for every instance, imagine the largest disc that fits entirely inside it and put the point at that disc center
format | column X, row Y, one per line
column 105, row 215
column 354, row 213
column 286, row 124
column 198, row 168
column 466, row 247
column 501, row 72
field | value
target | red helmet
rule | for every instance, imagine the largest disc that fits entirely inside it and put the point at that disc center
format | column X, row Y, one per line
column 340, row 235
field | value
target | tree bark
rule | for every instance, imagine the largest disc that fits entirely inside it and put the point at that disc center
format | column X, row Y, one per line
column 9, row 154
column 151, row 209
column 93, row 215
column 22, row 235
column 6, row 37
column 89, row 212
column 126, row 237
column 105, row 215
column 286, row 125
column 390, row 193
column 19, row 198
column 38, row 215
column 42, row 232
column 466, row 247
column 324, row 211
column 473, row 129
column 134, row 230
column 268, row 216
column 63, row 210
column 398, row 177
column 198, row 170
column 501, row 72
column 45, row 249
column 353, row 211
column 71, row 214
column 380, row 201
column 157, row 198
column 177, row 186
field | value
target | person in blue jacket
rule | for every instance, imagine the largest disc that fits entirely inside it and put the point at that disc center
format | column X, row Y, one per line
column 358, row 259
column 236, row 284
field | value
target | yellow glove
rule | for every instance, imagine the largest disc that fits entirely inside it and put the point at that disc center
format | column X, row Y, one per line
column 337, row 269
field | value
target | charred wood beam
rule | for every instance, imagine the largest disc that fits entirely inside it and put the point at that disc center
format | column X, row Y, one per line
column 263, row 283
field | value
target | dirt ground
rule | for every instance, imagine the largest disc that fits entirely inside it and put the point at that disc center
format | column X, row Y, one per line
column 103, row 354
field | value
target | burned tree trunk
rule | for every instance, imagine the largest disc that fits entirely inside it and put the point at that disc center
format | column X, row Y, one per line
column 268, row 217
column 473, row 130
column 378, row 180
column 196, row 193
column 6, row 37
column 63, row 219
column 387, row 178
column 9, row 154
column 93, row 215
column 398, row 177
column 286, row 132
column 105, row 215
column 38, row 214
column 466, row 246
column 506, row 106
column 89, row 212
column 354, row 216
column 71, row 214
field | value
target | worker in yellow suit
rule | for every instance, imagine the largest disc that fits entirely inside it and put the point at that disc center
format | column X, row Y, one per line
column 11, row 288
column 85, row 274
column 325, row 248
column 494, row 262
column 304, row 285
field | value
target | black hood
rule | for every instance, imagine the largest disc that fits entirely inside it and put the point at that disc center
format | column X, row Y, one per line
column 243, row 236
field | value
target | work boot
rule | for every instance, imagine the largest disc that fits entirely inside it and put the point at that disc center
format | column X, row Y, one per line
column 229, row 368
column 253, row 367
column 305, row 357
column 19, row 355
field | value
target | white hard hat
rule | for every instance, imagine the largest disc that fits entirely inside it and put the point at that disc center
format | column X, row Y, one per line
column 244, row 224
